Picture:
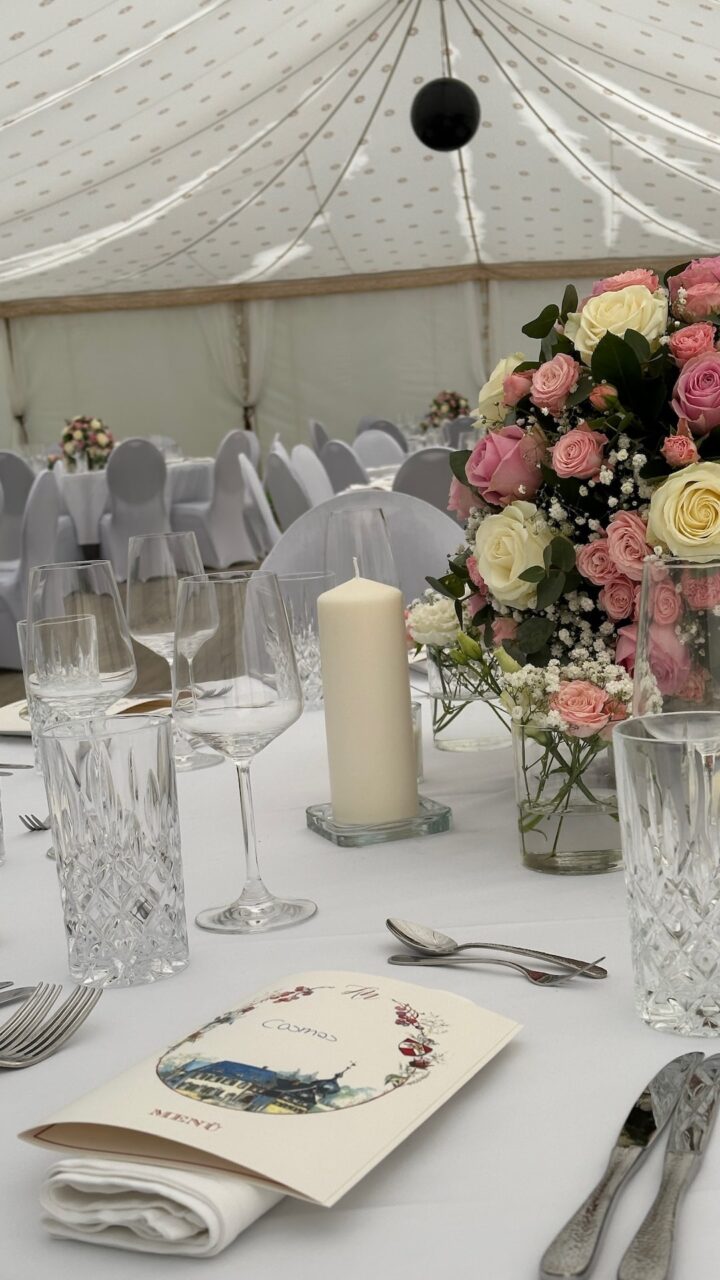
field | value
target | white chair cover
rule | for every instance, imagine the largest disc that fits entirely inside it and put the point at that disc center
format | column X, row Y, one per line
column 286, row 492
column 261, row 523
column 219, row 525
column 421, row 537
column 342, row 465
column 381, row 424
column 426, row 474
column 378, row 449
column 277, row 446
column 311, row 474
column 40, row 543
column 250, row 446
column 16, row 478
column 136, row 475
column 318, row 435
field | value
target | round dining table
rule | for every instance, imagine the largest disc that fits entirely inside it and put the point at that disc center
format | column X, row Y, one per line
column 85, row 493
column 485, row 1183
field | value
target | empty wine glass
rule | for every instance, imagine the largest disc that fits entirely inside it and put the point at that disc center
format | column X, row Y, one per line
column 63, row 665
column 157, row 562
column 300, row 593
column 357, row 541
column 79, row 588
column 237, row 688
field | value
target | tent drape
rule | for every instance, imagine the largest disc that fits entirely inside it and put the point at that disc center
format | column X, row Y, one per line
column 257, row 330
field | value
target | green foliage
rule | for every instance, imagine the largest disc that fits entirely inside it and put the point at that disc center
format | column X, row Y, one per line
column 449, row 585
column 674, row 271
column 562, row 554
column 543, row 323
column 614, row 361
column 458, row 463
column 532, row 634
column 569, row 302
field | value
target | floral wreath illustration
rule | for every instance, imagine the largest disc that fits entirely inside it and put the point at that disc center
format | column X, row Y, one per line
column 238, row 1086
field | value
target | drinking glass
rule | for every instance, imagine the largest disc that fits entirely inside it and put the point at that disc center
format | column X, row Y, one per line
column 157, row 562
column 40, row 713
column 113, row 807
column 677, row 659
column 300, row 593
column 63, row 665
column 357, row 541
column 668, row 777
column 237, row 688
column 74, row 589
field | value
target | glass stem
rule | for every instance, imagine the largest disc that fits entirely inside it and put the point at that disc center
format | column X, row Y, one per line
column 254, row 891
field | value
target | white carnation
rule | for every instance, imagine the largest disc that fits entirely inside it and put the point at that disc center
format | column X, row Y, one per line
column 433, row 622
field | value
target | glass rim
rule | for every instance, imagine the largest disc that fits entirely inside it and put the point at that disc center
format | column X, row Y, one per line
column 678, row 562
column 113, row 726
column 70, row 564
column 301, row 573
column 145, row 537
column 223, row 576
column 631, row 728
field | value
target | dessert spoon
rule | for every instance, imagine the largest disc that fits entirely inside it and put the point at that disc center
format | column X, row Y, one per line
column 425, row 941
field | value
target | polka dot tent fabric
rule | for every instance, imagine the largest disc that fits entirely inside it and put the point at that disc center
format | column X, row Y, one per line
column 191, row 142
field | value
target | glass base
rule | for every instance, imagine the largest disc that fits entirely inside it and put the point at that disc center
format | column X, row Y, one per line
column 585, row 862
column 188, row 760
column 239, row 917
column 127, row 976
column 431, row 818
column 488, row 742
column 685, row 1014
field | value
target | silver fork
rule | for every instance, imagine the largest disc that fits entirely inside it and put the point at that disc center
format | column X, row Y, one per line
column 51, row 1035
column 33, row 823
column 29, row 1015
column 538, row 977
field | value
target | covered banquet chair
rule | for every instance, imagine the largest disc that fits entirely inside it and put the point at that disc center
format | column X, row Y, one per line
column 343, row 465
column 378, row 449
column 318, row 435
column 382, row 424
column 287, row 494
column 250, row 446
column 16, row 478
column 427, row 475
column 261, row 524
column 136, row 475
column 219, row 523
column 311, row 473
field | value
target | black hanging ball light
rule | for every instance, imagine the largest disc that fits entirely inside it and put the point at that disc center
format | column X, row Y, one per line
column 445, row 114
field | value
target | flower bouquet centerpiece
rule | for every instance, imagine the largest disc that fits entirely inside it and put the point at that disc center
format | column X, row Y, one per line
column 86, row 442
column 600, row 451
column 445, row 407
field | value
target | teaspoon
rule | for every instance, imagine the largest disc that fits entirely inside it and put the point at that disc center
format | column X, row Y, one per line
column 423, row 940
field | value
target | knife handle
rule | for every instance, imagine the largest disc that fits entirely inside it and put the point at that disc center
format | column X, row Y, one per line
column 650, row 1251
column 572, row 1251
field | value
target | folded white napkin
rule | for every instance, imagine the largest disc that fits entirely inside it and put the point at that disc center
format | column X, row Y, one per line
column 152, row 1208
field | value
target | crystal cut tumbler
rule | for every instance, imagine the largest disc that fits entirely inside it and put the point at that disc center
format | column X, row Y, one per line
column 113, row 806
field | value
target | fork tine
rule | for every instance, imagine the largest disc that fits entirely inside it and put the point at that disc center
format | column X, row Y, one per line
column 63, row 1022
column 567, row 977
column 26, row 822
column 28, row 1015
column 41, row 824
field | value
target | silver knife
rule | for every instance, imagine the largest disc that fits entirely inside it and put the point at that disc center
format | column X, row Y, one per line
column 16, row 766
column 573, row 1250
column 650, row 1252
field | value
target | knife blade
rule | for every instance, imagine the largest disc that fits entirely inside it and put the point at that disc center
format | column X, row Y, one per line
column 572, row 1253
column 649, row 1254
column 16, row 766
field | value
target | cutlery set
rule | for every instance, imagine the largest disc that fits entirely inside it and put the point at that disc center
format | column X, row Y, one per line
column 33, row 1033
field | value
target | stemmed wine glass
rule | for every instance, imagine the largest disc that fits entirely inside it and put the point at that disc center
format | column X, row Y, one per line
column 237, row 688
column 157, row 563
column 357, row 541
column 78, row 589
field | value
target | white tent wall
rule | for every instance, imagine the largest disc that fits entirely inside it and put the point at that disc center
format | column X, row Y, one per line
column 174, row 371
column 511, row 303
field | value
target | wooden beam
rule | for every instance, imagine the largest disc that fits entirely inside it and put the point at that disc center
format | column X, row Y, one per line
column 75, row 304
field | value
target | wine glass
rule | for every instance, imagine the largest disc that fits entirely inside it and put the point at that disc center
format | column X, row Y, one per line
column 357, row 542
column 677, row 638
column 157, row 562
column 79, row 588
column 63, row 665
column 237, row 688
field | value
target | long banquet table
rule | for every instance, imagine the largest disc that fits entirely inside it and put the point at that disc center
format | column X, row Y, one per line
column 482, row 1186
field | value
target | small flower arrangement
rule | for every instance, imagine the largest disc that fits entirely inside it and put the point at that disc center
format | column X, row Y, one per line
column 88, row 438
column 445, row 406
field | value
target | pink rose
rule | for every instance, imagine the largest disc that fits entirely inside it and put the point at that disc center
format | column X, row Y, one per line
column 461, row 500
column 618, row 598
column 702, row 592
column 691, row 341
column 694, row 688
column 583, row 707
column 601, row 396
column 695, row 292
column 505, row 465
column 503, row 629
column 626, row 647
column 627, row 544
column 665, row 602
column 515, row 386
column 640, row 275
column 680, row 450
column 594, row 563
column 668, row 658
column 579, row 454
column 553, row 381
column 476, row 602
column 474, row 574
column 697, row 393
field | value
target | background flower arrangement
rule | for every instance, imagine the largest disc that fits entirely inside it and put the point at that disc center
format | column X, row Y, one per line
column 87, row 438
column 446, row 406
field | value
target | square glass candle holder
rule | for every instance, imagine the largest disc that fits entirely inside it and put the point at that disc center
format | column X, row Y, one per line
column 430, row 819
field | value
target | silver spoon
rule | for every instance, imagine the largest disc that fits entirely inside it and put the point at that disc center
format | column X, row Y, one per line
column 429, row 942
column 538, row 977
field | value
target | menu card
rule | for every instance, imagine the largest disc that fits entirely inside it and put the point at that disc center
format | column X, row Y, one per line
column 304, row 1087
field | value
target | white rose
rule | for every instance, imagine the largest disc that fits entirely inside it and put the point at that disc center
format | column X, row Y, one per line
column 505, row 546
column 433, row 622
column 490, row 401
column 634, row 307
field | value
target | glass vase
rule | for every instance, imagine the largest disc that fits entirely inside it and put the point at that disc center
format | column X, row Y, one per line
column 466, row 715
column 567, row 802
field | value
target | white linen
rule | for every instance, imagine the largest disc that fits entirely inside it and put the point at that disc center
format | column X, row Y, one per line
column 85, row 493
column 150, row 1208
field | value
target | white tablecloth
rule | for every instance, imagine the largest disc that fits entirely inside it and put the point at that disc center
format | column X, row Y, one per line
column 86, row 494
column 480, row 1188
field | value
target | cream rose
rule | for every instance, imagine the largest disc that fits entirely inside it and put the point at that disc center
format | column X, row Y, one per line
column 685, row 512
column 491, row 401
column 506, row 545
column 433, row 622
column 632, row 308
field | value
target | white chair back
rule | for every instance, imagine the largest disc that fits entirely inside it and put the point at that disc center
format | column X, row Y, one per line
column 16, row 478
column 261, row 523
column 278, row 447
column 39, row 535
column 381, row 424
column 136, row 475
column 311, row 474
column 318, row 435
column 421, row 537
column 378, row 449
column 250, row 446
column 342, row 465
column 288, row 496
column 427, row 475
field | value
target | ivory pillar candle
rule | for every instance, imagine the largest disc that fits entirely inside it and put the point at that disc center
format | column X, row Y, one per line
column 366, row 692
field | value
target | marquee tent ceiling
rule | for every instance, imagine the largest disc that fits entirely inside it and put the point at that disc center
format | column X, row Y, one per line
column 191, row 142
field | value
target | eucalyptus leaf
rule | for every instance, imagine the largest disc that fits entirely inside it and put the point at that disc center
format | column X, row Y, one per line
column 569, row 301
column 543, row 323
column 533, row 633
column 458, row 463
column 534, row 574
column 639, row 344
column 581, row 392
column 562, row 553
column 549, row 344
column 675, row 271
column 450, row 586
column 615, row 361
column 550, row 589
